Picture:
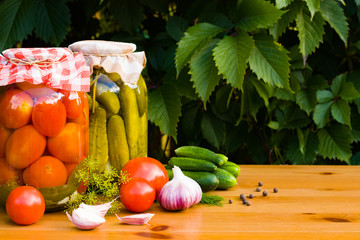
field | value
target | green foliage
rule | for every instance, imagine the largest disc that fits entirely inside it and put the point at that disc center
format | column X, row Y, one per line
column 232, row 64
column 254, row 14
column 270, row 62
column 203, row 71
column 328, row 10
column 48, row 19
column 164, row 108
column 311, row 31
column 262, row 81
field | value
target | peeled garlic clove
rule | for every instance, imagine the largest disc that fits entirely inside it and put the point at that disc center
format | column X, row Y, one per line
column 100, row 209
column 136, row 219
column 85, row 219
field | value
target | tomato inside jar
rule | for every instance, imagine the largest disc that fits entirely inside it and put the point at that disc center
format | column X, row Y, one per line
column 43, row 128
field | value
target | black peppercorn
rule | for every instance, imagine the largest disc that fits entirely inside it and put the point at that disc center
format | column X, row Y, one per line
column 242, row 197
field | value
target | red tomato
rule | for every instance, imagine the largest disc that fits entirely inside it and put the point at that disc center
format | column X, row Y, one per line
column 25, row 205
column 149, row 169
column 137, row 195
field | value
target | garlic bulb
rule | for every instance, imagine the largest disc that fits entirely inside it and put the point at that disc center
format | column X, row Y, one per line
column 136, row 219
column 180, row 193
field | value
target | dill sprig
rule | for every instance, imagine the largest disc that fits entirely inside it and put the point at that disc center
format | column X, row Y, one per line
column 214, row 200
column 101, row 187
column 124, row 177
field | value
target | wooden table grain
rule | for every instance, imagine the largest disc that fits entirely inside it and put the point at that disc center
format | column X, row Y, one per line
column 313, row 202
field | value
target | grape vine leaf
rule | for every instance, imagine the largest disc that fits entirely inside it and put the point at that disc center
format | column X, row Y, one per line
column 340, row 110
column 322, row 114
column 17, row 20
column 264, row 90
column 334, row 15
column 203, row 71
column 343, row 88
column 310, row 149
column 282, row 3
column 255, row 14
column 52, row 20
column 324, row 96
column 338, row 83
column 269, row 61
column 291, row 117
column 334, row 142
column 231, row 56
column 349, row 92
column 193, row 40
column 288, row 17
column 165, row 109
column 284, row 94
column 213, row 129
column 310, row 31
column 306, row 97
column 313, row 5
column 306, row 100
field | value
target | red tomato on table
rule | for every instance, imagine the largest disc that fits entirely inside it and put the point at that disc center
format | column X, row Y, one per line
column 137, row 195
column 148, row 168
column 25, row 205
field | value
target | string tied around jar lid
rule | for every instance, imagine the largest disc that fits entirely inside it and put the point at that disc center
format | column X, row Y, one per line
column 44, row 63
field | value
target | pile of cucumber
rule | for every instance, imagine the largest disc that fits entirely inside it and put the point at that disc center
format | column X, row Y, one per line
column 209, row 169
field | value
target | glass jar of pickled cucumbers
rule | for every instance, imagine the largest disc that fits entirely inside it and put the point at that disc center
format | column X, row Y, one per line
column 43, row 121
column 118, row 129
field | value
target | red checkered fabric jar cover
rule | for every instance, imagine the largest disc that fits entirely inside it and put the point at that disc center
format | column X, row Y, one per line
column 55, row 67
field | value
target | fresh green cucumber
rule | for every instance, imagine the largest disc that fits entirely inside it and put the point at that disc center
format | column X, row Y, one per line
column 199, row 153
column 192, row 164
column 226, row 179
column 231, row 167
column 207, row 181
column 223, row 157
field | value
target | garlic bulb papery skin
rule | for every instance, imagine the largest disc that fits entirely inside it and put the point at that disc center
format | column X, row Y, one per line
column 85, row 219
column 180, row 193
column 136, row 219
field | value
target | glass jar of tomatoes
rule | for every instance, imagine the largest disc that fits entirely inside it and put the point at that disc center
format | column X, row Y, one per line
column 43, row 120
column 118, row 102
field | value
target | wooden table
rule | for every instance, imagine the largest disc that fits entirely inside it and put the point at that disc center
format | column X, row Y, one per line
column 313, row 202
